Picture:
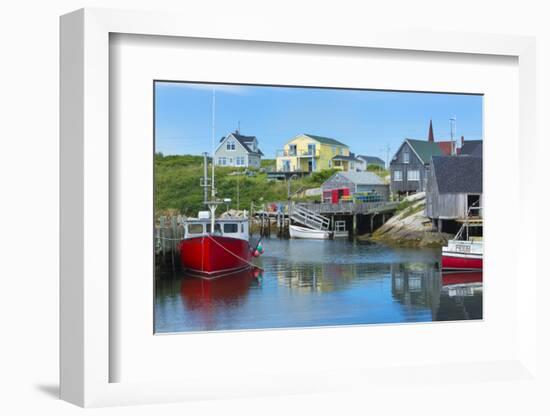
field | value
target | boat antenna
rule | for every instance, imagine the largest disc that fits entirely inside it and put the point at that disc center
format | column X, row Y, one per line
column 213, row 139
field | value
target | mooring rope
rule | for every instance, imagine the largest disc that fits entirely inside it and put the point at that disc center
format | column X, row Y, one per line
column 236, row 255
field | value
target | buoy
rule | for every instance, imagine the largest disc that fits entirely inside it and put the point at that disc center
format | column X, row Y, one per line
column 256, row 253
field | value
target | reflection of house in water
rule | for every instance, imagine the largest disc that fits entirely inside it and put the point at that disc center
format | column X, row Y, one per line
column 327, row 277
column 419, row 285
column 416, row 285
column 317, row 277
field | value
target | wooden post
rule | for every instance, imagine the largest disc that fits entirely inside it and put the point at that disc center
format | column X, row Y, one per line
column 173, row 241
column 162, row 241
column 372, row 223
column 354, row 227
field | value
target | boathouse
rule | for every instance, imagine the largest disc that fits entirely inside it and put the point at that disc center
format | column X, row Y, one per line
column 454, row 190
column 350, row 183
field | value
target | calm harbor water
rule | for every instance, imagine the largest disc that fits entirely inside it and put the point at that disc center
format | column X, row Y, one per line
column 309, row 283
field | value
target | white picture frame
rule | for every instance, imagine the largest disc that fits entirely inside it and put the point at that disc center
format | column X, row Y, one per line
column 86, row 356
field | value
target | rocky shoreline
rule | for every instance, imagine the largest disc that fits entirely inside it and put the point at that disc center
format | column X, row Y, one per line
column 409, row 227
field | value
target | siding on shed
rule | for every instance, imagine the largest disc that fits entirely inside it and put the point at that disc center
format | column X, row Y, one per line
column 414, row 164
column 447, row 205
column 338, row 181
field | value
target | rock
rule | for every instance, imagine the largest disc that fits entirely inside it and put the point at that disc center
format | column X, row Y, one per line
column 410, row 227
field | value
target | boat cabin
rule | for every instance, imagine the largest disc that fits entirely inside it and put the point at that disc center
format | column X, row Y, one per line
column 227, row 227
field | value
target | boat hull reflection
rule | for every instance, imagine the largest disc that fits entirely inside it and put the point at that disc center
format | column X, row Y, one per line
column 457, row 278
column 198, row 293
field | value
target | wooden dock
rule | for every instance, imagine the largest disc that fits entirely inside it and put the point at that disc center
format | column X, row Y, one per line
column 359, row 217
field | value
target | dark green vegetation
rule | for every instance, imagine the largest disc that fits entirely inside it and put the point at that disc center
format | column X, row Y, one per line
column 178, row 190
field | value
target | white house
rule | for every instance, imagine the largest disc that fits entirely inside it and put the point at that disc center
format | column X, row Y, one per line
column 238, row 150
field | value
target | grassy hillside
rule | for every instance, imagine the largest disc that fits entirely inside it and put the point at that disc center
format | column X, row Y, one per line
column 177, row 185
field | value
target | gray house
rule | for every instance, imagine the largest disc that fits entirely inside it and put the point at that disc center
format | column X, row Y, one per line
column 355, row 182
column 455, row 184
column 238, row 150
column 410, row 165
column 370, row 161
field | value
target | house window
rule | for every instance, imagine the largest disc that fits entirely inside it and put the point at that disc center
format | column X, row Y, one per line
column 311, row 149
column 230, row 161
column 222, row 161
column 341, row 151
column 239, row 160
column 406, row 156
column 413, row 175
column 292, row 150
column 397, row 175
column 333, row 150
column 230, row 145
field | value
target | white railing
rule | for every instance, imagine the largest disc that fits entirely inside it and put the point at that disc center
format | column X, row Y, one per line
column 307, row 217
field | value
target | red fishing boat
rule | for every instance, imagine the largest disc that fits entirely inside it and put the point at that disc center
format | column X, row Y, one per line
column 213, row 247
column 214, row 254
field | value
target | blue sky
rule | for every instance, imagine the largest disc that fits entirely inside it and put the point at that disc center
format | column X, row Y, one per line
column 367, row 121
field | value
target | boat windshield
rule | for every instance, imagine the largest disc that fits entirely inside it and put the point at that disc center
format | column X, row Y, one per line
column 217, row 228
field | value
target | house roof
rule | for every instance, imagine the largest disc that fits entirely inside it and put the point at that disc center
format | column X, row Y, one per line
column 458, row 174
column 361, row 178
column 371, row 159
column 245, row 141
column 471, row 146
column 446, row 147
column 425, row 150
column 344, row 157
column 325, row 140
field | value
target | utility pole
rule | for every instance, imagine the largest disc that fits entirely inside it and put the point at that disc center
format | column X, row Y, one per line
column 452, row 122
column 386, row 150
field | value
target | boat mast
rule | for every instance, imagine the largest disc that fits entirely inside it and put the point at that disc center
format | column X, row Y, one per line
column 213, row 138
column 212, row 205
column 205, row 183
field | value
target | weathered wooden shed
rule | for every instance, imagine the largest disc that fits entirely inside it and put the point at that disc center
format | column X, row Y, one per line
column 455, row 183
column 357, row 182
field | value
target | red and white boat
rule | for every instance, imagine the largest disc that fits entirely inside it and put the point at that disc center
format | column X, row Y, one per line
column 464, row 252
column 214, row 254
column 213, row 247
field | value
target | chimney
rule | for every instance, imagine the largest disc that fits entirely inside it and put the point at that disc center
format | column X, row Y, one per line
column 462, row 141
column 431, row 133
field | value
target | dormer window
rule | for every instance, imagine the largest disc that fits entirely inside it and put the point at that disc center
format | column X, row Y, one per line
column 230, row 145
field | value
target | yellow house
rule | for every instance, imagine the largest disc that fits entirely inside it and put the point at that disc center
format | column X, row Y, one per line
column 311, row 153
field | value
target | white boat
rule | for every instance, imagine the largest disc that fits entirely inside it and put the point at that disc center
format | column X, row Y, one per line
column 303, row 232
column 464, row 252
